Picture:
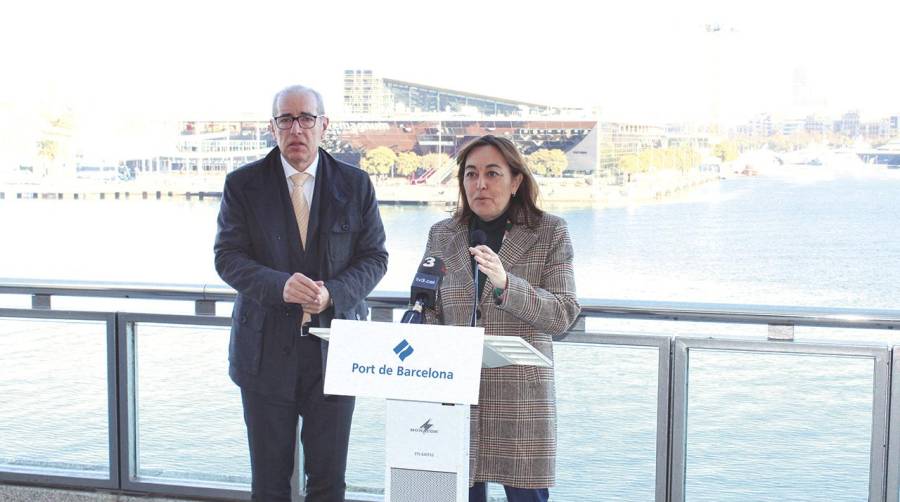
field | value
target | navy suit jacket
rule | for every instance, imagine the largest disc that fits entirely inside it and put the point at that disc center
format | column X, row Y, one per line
column 257, row 248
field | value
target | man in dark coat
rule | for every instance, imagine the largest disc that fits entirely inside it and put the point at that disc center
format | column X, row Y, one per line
column 301, row 240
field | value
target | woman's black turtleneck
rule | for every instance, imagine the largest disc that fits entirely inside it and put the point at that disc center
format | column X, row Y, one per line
column 494, row 230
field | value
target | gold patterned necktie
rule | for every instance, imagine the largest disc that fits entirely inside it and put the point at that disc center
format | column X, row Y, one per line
column 301, row 212
column 301, row 206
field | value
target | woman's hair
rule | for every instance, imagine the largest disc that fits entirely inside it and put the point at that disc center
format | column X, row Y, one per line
column 523, row 208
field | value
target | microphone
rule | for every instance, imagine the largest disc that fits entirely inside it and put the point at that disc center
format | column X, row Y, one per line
column 476, row 238
column 423, row 292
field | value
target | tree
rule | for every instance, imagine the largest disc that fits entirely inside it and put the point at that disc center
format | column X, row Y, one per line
column 557, row 162
column 726, row 151
column 537, row 162
column 48, row 149
column 378, row 160
column 687, row 158
column 547, row 162
column 630, row 164
column 436, row 160
column 407, row 162
column 650, row 159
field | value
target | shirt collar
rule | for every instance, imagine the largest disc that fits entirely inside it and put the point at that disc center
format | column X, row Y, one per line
column 289, row 169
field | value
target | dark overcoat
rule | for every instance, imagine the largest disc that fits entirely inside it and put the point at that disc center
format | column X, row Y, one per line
column 257, row 248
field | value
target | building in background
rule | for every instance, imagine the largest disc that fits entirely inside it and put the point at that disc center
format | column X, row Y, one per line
column 424, row 119
column 366, row 93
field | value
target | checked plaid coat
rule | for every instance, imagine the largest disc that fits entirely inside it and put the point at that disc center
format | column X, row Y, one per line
column 513, row 427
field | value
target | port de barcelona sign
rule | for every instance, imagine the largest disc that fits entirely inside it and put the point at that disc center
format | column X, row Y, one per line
column 404, row 361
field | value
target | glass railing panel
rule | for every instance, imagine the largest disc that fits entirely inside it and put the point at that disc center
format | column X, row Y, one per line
column 365, row 460
column 189, row 425
column 606, row 422
column 773, row 427
column 15, row 301
column 149, row 306
column 224, row 309
column 845, row 335
column 669, row 328
column 606, row 433
column 54, row 413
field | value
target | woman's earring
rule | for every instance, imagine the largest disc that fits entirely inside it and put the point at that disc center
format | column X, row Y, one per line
column 514, row 194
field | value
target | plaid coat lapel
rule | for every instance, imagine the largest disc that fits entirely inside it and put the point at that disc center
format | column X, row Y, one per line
column 459, row 244
column 519, row 240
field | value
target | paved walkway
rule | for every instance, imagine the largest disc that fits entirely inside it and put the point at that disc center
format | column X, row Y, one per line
column 13, row 493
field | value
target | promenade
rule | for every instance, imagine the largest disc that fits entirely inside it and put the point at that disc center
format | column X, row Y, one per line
column 396, row 191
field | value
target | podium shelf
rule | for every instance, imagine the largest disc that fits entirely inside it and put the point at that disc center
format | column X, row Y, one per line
column 511, row 351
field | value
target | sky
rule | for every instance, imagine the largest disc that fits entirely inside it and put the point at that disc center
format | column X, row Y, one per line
column 117, row 64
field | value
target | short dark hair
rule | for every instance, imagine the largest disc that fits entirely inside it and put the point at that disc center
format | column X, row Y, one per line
column 523, row 208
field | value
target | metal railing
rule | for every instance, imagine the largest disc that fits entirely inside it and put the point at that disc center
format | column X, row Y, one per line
column 671, row 476
column 205, row 296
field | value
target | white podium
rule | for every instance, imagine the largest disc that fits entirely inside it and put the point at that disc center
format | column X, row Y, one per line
column 429, row 376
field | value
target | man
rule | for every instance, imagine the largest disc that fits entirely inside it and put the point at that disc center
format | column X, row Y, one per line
column 301, row 240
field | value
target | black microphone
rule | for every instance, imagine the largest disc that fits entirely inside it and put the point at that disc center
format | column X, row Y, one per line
column 476, row 238
column 423, row 292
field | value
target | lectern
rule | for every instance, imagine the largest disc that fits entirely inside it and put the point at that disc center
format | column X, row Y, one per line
column 429, row 376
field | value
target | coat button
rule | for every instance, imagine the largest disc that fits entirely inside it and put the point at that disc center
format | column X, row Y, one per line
column 345, row 227
column 478, row 314
column 243, row 318
column 286, row 350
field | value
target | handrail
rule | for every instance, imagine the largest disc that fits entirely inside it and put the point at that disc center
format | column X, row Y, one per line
column 772, row 315
column 104, row 289
column 672, row 371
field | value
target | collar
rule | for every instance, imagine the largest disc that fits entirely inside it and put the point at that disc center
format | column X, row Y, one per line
column 289, row 169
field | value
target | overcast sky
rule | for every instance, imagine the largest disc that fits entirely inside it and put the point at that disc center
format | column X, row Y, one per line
column 648, row 60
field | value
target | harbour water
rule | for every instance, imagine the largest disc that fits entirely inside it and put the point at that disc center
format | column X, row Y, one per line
column 799, row 237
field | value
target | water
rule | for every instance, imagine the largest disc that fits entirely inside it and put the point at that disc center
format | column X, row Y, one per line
column 796, row 239
column 777, row 240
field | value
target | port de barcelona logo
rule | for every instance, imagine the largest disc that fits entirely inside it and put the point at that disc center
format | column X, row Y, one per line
column 403, row 350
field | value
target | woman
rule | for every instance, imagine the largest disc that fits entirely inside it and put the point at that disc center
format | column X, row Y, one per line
column 527, row 289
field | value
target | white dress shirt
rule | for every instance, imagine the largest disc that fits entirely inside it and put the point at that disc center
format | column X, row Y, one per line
column 310, row 186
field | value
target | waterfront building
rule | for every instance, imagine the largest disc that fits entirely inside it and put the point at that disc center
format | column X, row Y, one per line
column 366, row 93
column 876, row 129
column 760, row 125
column 848, row 124
column 815, row 124
column 403, row 116
column 205, row 146
column 349, row 140
column 422, row 119
column 792, row 126
column 618, row 139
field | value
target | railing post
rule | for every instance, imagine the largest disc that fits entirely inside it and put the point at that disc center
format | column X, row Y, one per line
column 41, row 302
column 382, row 314
column 205, row 307
column 781, row 332
column 578, row 326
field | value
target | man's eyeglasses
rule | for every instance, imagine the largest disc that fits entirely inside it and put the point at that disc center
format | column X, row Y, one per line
column 306, row 121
